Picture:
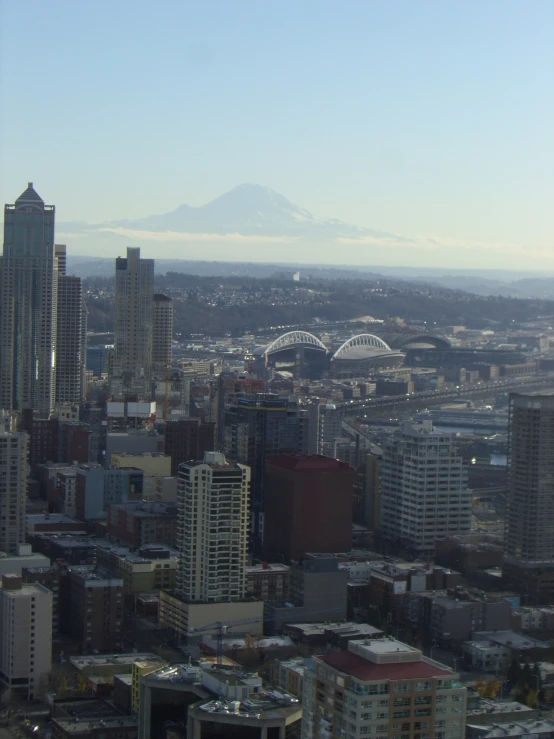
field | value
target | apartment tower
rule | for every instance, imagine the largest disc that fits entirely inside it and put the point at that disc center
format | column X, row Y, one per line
column 28, row 306
column 381, row 688
column 25, row 638
column 134, row 293
column 529, row 536
column 212, row 529
column 424, row 493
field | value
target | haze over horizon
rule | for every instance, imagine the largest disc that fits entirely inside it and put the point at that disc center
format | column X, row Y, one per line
column 425, row 126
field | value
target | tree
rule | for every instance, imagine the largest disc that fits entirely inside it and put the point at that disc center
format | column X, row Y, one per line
column 492, row 688
column 532, row 699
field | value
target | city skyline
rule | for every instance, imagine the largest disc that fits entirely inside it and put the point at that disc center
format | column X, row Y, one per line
column 427, row 121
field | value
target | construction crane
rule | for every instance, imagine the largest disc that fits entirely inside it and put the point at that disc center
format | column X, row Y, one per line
column 222, row 631
column 221, row 628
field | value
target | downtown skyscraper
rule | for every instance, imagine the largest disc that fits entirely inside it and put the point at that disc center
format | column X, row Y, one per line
column 134, row 315
column 529, row 535
column 28, row 306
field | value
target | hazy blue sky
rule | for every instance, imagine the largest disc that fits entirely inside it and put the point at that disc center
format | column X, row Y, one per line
column 425, row 118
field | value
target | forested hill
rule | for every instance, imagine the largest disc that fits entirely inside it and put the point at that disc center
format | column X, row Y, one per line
column 236, row 304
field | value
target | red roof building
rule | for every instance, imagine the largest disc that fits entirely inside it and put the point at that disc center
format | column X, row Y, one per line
column 382, row 688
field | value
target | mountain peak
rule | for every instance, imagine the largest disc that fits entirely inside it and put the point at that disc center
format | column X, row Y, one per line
column 251, row 210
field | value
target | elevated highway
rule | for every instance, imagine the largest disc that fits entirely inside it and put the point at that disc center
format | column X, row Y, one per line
column 376, row 408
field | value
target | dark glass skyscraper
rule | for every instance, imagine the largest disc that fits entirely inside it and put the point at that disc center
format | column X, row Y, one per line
column 28, row 305
column 529, row 535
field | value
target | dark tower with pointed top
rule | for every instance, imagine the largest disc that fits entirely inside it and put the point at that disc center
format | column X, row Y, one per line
column 28, row 299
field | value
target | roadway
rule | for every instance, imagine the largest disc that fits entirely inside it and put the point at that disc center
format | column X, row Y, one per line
column 377, row 407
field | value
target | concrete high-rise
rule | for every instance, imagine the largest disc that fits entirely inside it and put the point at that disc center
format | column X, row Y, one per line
column 13, row 486
column 134, row 297
column 162, row 332
column 25, row 638
column 424, row 493
column 529, row 536
column 212, row 529
column 212, row 540
column 28, row 306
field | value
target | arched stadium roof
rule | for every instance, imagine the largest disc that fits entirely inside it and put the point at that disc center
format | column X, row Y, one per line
column 290, row 339
column 370, row 341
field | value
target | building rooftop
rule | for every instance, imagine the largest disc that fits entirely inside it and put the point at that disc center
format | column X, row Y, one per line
column 177, row 673
column 261, row 706
column 489, row 707
column 79, row 726
column 51, row 518
column 364, row 669
column 309, row 463
column 509, row 639
column 267, row 567
column 337, row 627
column 87, row 660
column 532, row 727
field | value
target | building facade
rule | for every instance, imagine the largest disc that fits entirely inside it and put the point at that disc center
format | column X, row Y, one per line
column 212, row 534
column 28, row 306
column 162, row 332
column 70, row 344
column 13, row 486
column 308, row 506
column 25, row 638
column 93, row 608
column 260, row 428
column 186, row 439
column 529, row 536
column 134, row 294
column 381, row 688
column 424, row 492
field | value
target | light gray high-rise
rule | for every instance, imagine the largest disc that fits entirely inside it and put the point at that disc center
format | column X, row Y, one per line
column 28, row 305
column 529, row 535
column 424, row 492
column 134, row 297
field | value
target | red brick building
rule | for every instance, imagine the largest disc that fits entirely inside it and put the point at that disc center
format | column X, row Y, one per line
column 137, row 524
column 308, row 506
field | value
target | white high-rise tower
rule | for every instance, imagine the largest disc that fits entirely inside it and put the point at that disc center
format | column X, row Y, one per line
column 424, row 493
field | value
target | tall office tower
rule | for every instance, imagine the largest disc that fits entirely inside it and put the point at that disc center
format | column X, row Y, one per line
column 13, row 486
column 212, row 529
column 424, row 493
column 259, row 428
column 381, row 688
column 25, row 638
column 134, row 293
column 325, row 425
column 69, row 343
column 529, row 536
column 28, row 306
column 162, row 332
